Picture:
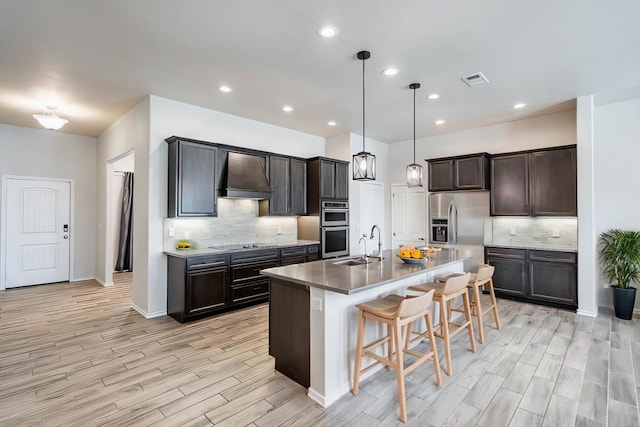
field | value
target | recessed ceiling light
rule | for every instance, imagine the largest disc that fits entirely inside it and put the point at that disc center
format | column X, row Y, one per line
column 225, row 89
column 390, row 71
column 519, row 105
column 434, row 96
column 440, row 122
column 332, row 123
column 287, row 109
column 328, row 31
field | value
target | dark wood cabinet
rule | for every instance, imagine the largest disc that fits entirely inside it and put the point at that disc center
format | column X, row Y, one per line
column 440, row 175
column 545, row 277
column 510, row 185
column 313, row 253
column 470, row 172
column 554, row 183
column 327, row 179
column 298, row 184
column 206, row 290
column 535, row 183
column 510, row 273
column 280, row 183
column 192, row 178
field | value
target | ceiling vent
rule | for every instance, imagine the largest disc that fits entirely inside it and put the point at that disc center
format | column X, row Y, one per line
column 475, row 79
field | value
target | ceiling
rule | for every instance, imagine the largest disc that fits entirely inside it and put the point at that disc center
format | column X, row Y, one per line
column 95, row 59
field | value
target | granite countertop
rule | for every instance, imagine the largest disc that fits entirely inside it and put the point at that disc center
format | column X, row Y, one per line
column 344, row 279
column 534, row 246
column 187, row 253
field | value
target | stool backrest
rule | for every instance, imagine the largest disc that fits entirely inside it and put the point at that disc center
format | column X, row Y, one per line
column 485, row 272
column 455, row 284
column 413, row 306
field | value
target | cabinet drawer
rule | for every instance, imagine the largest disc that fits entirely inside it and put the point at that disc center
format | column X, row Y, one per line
column 295, row 251
column 254, row 256
column 206, row 262
column 250, row 291
column 245, row 273
column 313, row 249
column 293, row 260
column 553, row 256
column 505, row 253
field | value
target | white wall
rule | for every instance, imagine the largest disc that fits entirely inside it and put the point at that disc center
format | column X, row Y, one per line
column 169, row 118
column 50, row 154
column 537, row 132
column 616, row 152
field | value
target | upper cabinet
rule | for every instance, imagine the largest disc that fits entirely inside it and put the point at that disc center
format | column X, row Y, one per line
column 328, row 179
column 459, row 173
column 536, row 183
column 192, row 178
column 288, row 180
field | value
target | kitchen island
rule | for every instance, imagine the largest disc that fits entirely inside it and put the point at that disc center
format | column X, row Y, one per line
column 313, row 319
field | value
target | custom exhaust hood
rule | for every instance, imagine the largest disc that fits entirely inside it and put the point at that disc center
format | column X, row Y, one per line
column 245, row 177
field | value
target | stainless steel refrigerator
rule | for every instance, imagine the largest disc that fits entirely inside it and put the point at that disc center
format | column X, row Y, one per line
column 458, row 218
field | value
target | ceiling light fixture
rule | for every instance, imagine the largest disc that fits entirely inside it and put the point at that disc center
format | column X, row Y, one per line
column 414, row 170
column 225, row 89
column 332, row 123
column 390, row 71
column 287, row 109
column 328, row 31
column 440, row 122
column 434, row 96
column 519, row 105
column 50, row 119
column 364, row 163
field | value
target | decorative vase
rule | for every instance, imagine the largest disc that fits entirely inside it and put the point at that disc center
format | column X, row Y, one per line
column 623, row 302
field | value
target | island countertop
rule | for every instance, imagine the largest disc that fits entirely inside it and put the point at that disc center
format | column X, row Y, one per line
column 345, row 279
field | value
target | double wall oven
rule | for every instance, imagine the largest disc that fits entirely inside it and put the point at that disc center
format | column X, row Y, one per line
column 334, row 228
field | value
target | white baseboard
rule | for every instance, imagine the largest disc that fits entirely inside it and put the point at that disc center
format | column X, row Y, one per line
column 146, row 315
column 587, row 313
column 105, row 284
column 82, row 279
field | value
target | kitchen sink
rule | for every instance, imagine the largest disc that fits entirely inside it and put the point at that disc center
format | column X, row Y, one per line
column 353, row 261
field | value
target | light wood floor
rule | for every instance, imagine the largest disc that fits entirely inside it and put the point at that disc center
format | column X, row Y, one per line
column 77, row 354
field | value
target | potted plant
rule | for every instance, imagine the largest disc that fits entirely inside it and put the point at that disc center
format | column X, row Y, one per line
column 620, row 260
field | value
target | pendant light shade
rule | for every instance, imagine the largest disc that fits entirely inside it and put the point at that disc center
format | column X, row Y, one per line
column 50, row 119
column 364, row 163
column 414, row 170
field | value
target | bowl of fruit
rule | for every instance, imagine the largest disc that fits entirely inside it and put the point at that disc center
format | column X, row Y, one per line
column 411, row 255
column 183, row 244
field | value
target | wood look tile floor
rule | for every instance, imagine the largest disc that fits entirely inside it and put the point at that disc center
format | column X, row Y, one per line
column 77, row 354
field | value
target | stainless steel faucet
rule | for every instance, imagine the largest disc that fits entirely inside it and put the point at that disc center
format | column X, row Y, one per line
column 362, row 239
column 379, row 256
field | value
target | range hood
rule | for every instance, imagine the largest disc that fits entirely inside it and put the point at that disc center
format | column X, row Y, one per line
column 246, row 177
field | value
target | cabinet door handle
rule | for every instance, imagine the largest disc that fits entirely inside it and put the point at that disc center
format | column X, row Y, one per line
column 205, row 265
column 257, row 288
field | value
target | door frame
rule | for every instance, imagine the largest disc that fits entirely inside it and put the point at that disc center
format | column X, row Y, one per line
column 3, row 223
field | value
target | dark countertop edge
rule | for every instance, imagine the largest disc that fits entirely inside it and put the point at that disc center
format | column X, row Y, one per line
column 203, row 252
column 360, row 289
column 532, row 248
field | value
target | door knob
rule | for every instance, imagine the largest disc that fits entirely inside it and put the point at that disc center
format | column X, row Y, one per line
column 65, row 236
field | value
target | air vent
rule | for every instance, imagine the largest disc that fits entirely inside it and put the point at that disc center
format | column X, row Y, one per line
column 475, row 79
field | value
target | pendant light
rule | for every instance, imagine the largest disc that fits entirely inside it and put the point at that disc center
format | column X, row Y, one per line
column 414, row 170
column 364, row 163
column 50, row 119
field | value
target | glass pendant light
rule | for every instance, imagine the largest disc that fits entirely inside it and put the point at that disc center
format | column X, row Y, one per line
column 364, row 163
column 414, row 170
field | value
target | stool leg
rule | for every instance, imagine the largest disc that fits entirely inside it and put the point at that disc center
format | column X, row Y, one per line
column 478, row 313
column 358, row 361
column 467, row 313
column 397, row 332
column 434, row 349
column 390, row 346
column 496, row 316
column 407, row 340
column 445, row 334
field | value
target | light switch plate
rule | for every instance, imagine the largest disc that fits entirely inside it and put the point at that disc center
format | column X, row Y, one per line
column 555, row 233
column 186, row 234
column 316, row 304
column 512, row 231
column 171, row 232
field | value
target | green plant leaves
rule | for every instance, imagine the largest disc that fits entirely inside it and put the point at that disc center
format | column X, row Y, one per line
column 620, row 256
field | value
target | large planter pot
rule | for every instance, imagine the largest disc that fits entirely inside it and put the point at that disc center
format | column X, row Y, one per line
column 623, row 302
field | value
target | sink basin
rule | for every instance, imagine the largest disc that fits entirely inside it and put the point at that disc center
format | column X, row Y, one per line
column 353, row 261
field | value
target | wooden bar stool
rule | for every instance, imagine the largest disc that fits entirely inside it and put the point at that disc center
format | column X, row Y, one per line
column 395, row 311
column 484, row 277
column 453, row 287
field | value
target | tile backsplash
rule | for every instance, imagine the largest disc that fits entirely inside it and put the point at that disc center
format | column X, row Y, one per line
column 237, row 223
column 532, row 231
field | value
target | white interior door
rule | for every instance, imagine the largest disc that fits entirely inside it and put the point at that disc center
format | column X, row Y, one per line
column 38, row 231
column 371, row 213
column 408, row 214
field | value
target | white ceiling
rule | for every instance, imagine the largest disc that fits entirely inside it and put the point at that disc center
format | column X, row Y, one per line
column 96, row 59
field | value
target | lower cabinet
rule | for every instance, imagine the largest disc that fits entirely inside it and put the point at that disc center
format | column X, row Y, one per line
column 546, row 277
column 206, row 290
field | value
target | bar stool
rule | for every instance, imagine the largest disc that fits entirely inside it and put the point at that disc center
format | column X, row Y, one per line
column 395, row 311
column 484, row 277
column 453, row 287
